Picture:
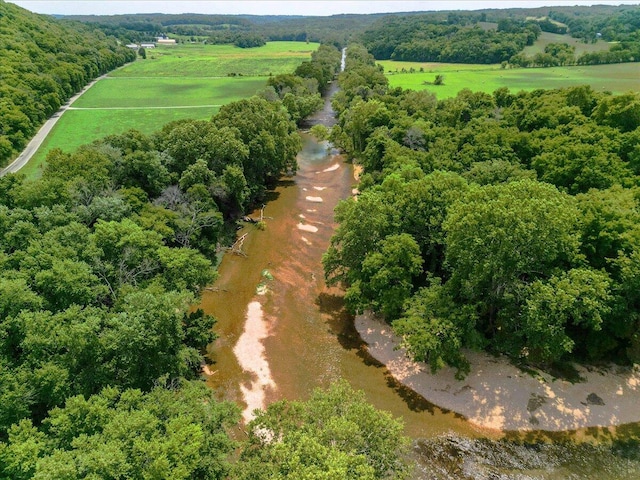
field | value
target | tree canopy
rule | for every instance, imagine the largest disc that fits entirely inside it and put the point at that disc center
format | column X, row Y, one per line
column 334, row 434
column 502, row 222
column 174, row 431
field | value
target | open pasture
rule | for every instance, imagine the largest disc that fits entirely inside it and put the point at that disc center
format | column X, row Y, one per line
column 198, row 60
column 79, row 127
column 123, row 92
column 616, row 78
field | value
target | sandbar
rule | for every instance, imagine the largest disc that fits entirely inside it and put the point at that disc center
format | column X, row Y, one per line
column 332, row 168
column 497, row 395
column 307, row 228
column 251, row 356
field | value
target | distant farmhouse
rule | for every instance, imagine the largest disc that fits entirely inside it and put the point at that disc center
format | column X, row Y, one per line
column 165, row 41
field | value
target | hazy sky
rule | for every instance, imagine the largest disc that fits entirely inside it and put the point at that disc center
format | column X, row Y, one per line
column 283, row 7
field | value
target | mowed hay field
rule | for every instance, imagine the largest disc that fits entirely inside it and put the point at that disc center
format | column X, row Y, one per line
column 615, row 78
column 172, row 83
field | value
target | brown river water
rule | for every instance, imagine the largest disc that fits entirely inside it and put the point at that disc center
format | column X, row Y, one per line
column 310, row 339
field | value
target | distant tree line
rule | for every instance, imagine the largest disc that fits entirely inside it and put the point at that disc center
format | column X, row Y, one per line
column 426, row 38
column 146, row 27
column 483, row 36
column 507, row 222
column 620, row 24
column 229, row 29
column 43, row 63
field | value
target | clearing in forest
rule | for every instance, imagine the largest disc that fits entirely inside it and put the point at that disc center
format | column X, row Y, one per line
column 581, row 47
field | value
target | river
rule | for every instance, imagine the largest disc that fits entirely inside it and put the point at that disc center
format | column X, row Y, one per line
column 282, row 332
column 309, row 339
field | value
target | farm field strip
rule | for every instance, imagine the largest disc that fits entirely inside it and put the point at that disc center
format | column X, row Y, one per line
column 394, row 67
column 79, row 127
column 220, row 60
column 183, row 82
column 127, row 92
column 144, row 108
column 150, row 77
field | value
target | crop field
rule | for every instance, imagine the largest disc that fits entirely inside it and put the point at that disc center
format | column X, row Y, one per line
column 616, row 78
column 173, row 83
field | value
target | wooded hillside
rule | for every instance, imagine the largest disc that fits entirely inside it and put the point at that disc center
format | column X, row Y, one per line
column 44, row 62
column 480, row 36
column 613, row 22
column 495, row 36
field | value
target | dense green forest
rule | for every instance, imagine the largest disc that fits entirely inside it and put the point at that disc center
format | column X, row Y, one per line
column 43, row 63
column 432, row 38
column 101, row 260
column 620, row 25
column 506, row 221
column 501, row 35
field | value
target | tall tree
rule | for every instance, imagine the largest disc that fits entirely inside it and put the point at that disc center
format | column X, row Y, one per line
column 334, row 434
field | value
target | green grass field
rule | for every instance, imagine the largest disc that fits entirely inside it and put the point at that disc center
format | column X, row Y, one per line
column 173, row 83
column 79, row 127
column 114, row 92
column 197, row 60
column 617, row 78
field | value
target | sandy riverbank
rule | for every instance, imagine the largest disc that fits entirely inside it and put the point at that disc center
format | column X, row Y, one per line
column 497, row 395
